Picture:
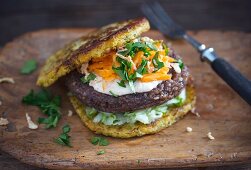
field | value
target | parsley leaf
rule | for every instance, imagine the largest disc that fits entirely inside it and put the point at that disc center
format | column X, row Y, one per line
column 101, row 152
column 157, row 64
column 165, row 48
column 125, row 66
column 121, row 71
column 134, row 47
column 151, row 46
column 113, row 94
column 131, row 85
column 181, row 64
column 64, row 138
column 29, row 66
column 87, row 79
column 142, row 70
column 122, row 83
column 99, row 141
column 48, row 104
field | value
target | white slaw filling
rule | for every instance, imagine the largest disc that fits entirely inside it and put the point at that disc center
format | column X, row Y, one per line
column 145, row 116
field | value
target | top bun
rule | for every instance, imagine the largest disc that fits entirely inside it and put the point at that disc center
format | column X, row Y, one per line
column 82, row 50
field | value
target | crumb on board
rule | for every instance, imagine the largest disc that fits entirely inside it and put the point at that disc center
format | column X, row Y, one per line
column 70, row 113
column 189, row 129
column 234, row 155
column 7, row 80
column 3, row 121
column 194, row 111
column 209, row 135
column 31, row 124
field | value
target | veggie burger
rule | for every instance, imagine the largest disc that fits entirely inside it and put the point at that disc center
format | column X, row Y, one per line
column 122, row 84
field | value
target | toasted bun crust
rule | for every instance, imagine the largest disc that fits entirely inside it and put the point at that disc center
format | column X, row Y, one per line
column 85, row 48
column 138, row 129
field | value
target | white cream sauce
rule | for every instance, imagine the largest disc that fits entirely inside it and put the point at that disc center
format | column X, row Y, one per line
column 108, row 87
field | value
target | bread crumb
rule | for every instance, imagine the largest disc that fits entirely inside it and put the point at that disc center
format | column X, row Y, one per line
column 189, row 129
column 3, row 121
column 194, row 111
column 70, row 113
column 209, row 135
column 234, row 155
column 7, row 80
column 31, row 124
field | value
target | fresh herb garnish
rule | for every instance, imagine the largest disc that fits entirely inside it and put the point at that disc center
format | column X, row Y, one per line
column 122, row 83
column 125, row 66
column 87, row 79
column 134, row 47
column 99, row 141
column 48, row 104
column 64, row 138
column 101, row 152
column 90, row 112
column 151, row 46
column 130, row 82
column 181, row 64
column 165, row 48
column 29, row 66
column 139, row 72
column 121, row 72
column 157, row 64
column 113, row 94
column 142, row 70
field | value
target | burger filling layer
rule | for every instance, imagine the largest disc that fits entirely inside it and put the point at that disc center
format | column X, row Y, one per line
column 145, row 116
column 138, row 66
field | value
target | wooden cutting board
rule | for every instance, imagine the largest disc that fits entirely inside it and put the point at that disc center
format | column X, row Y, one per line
column 222, row 112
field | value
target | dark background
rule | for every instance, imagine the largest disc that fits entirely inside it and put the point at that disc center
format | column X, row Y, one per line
column 20, row 16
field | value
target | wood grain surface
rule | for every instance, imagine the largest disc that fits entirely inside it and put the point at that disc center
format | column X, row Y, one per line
column 222, row 112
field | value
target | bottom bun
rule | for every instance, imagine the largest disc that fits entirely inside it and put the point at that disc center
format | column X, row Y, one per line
column 137, row 129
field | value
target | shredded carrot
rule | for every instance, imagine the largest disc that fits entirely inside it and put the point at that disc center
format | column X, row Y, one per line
column 137, row 59
column 103, row 66
column 155, row 76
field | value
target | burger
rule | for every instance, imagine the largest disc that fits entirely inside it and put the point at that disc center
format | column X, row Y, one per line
column 122, row 84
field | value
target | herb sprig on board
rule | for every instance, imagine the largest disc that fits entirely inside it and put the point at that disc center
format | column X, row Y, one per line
column 99, row 141
column 64, row 138
column 47, row 103
column 29, row 66
column 101, row 152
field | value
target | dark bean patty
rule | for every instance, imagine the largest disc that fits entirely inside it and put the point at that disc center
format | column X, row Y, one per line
column 166, row 90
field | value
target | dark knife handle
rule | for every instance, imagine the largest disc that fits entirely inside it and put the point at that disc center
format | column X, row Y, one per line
column 232, row 77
